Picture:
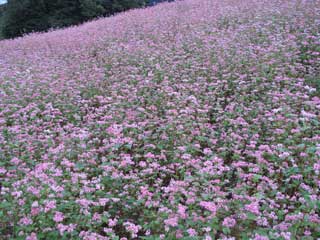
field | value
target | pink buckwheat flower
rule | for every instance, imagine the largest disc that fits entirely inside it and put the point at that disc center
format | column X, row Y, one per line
column 25, row 221
column 260, row 237
column 229, row 222
column 33, row 236
column 253, row 208
column 192, row 232
column 210, row 206
column 58, row 217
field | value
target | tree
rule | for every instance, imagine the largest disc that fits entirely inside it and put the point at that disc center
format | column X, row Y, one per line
column 114, row 6
column 122, row 5
column 25, row 16
column 2, row 10
column 62, row 13
column 91, row 9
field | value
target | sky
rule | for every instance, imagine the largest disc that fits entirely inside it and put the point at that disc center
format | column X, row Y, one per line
column 3, row 1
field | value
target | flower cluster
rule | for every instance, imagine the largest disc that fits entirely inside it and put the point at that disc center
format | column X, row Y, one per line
column 188, row 120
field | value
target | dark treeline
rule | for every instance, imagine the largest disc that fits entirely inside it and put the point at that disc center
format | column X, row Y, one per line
column 19, row 17
column 2, row 10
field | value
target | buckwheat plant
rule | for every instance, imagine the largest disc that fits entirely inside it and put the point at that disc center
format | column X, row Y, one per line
column 197, row 119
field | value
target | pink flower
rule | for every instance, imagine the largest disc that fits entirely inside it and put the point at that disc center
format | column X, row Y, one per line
column 66, row 228
column 2, row 170
column 253, row 208
column 84, row 202
column 179, row 234
column 149, row 155
column 112, row 222
column 207, row 151
column 182, row 211
column 34, row 191
column 132, row 228
column 171, row 222
column 210, row 206
column 307, row 233
column 229, row 222
column 25, row 221
column 316, row 167
column 35, row 210
column 58, row 217
column 260, row 237
column 33, row 236
column 192, row 232
column 286, row 235
column 96, row 217
column 308, row 114
column 49, row 204
column 107, row 230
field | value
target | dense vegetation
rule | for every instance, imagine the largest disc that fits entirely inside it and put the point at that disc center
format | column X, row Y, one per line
column 2, row 9
column 198, row 119
column 25, row 16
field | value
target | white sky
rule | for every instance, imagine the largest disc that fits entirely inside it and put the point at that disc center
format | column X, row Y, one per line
column 3, row 1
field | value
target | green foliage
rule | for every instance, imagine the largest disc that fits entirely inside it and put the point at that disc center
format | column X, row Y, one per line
column 122, row 5
column 63, row 13
column 24, row 16
column 91, row 9
column 314, row 81
column 20, row 17
column 2, row 9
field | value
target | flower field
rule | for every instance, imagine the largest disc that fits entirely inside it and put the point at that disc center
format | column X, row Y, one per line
column 198, row 119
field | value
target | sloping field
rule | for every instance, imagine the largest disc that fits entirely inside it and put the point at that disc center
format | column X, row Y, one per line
column 190, row 120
